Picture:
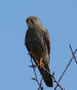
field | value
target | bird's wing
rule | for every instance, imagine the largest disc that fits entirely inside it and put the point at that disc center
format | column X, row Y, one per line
column 47, row 40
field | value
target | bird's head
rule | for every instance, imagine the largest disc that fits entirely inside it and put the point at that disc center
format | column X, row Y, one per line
column 33, row 21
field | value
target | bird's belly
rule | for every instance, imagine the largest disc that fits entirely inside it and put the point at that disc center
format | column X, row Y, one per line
column 37, row 47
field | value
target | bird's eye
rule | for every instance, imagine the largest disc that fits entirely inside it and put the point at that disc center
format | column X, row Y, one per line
column 31, row 20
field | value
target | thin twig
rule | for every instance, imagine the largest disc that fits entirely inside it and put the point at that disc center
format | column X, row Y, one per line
column 36, row 78
column 40, row 85
column 73, row 53
column 67, row 65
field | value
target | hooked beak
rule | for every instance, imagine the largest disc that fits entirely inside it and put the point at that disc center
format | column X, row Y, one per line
column 29, row 22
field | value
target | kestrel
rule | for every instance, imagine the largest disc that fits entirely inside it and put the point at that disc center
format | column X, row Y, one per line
column 37, row 43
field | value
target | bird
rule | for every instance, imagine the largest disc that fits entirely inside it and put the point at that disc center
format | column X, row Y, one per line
column 37, row 42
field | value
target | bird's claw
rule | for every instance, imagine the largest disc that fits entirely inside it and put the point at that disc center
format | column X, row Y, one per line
column 31, row 53
column 41, row 63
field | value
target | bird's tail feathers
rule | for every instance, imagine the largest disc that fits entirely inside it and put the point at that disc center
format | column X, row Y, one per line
column 45, row 72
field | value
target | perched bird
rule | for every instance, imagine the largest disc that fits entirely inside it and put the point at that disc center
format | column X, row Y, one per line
column 37, row 43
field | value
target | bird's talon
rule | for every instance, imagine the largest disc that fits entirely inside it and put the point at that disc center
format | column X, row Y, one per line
column 41, row 63
column 31, row 53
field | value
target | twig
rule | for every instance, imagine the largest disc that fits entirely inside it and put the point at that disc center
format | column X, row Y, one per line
column 67, row 65
column 40, row 85
column 73, row 53
column 36, row 78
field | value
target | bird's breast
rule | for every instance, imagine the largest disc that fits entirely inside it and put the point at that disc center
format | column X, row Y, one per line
column 36, row 42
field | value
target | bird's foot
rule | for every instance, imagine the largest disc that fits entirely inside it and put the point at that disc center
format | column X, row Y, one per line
column 41, row 63
column 31, row 53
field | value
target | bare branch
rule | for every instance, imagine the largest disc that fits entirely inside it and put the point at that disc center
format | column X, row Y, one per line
column 73, row 53
column 36, row 78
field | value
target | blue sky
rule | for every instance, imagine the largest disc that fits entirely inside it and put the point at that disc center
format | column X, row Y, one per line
column 60, row 18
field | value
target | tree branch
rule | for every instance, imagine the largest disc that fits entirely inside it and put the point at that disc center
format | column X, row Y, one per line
column 73, row 53
column 36, row 78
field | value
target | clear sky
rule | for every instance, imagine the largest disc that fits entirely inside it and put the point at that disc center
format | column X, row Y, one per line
column 60, row 18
